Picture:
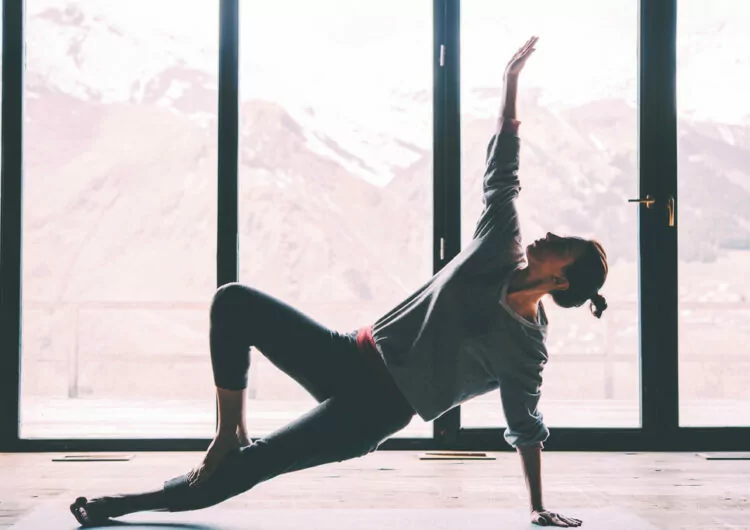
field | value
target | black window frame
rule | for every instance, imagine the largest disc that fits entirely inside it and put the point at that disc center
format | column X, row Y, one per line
column 657, row 140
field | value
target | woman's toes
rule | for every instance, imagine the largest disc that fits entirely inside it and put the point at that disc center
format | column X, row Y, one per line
column 81, row 510
column 77, row 510
column 91, row 511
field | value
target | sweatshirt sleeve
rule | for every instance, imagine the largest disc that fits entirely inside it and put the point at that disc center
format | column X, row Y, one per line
column 500, row 185
column 502, row 162
column 525, row 422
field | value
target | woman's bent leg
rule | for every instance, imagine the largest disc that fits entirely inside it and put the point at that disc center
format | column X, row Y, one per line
column 321, row 360
column 242, row 317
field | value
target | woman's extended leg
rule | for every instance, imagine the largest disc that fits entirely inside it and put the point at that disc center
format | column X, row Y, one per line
column 324, row 362
column 344, row 426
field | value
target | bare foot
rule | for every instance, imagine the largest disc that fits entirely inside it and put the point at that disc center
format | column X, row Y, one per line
column 91, row 512
column 221, row 445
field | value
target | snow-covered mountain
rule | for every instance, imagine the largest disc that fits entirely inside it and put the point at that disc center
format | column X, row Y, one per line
column 336, row 149
column 336, row 171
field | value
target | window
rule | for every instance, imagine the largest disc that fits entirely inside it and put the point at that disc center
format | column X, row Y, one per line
column 714, row 213
column 577, row 105
column 335, row 169
column 119, row 227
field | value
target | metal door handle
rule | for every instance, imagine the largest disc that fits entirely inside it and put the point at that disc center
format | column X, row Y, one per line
column 670, row 208
column 649, row 201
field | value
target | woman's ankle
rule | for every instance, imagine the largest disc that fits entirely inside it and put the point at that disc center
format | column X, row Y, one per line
column 226, row 431
column 242, row 436
column 231, row 411
column 232, row 431
column 137, row 502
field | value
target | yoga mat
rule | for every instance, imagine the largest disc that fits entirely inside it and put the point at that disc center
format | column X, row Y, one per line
column 725, row 456
column 55, row 516
column 455, row 455
column 96, row 457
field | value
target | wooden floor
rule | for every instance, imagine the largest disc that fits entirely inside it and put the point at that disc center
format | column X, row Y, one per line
column 672, row 491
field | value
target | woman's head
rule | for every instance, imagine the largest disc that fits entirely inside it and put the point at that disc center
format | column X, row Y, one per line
column 573, row 269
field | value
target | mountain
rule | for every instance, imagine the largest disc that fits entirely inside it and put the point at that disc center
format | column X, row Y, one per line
column 579, row 163
column 335, row 178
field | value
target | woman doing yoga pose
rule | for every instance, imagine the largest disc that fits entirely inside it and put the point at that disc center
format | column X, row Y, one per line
column 476, row 326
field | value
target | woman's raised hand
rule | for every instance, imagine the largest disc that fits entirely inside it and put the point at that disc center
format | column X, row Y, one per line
column 517, row 62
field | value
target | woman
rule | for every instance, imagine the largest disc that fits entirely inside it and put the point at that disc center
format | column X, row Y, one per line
column 476, row 326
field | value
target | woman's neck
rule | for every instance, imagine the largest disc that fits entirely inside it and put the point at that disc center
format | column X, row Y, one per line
column 524, row 293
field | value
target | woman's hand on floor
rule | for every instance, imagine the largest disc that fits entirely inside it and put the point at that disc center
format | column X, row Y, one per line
column 547, row 518
column 222, row 444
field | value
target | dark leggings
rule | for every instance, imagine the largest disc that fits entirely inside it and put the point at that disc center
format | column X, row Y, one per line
column 358, row 408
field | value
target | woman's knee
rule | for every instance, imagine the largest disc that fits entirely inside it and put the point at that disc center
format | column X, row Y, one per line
column 398, row 420
column 229, row 293
column 381, row 427
column 230, row 299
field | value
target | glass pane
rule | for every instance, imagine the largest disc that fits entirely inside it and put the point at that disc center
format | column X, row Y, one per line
column 336, row 169
column 577, row 105
column 119, row 252
column 714, row 212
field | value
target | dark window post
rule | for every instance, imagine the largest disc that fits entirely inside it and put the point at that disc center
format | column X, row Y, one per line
column 10, row 222
column 657, row 131
column 446, row 163
column 228, row 130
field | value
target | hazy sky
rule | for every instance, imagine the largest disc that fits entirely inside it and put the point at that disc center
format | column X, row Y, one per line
column 330, row 52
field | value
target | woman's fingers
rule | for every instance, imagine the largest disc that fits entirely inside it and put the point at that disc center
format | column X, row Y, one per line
column 563, row 521
column 525, row 51
column 558, row 520
column 530, row 43
column 567, row 520
column 555, row 519
column 530, row 47
column 523, row 48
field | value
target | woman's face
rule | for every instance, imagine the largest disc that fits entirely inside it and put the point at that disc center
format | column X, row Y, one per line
column 552, row 254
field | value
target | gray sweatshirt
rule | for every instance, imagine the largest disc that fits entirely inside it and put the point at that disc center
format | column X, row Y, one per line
column 456, row 337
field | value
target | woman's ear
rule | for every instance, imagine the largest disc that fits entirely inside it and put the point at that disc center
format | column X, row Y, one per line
column 560, row 283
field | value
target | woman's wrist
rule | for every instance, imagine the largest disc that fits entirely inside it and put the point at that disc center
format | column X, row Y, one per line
column 510, row 78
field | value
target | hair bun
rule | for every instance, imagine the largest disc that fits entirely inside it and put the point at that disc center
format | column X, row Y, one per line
column 598, row 305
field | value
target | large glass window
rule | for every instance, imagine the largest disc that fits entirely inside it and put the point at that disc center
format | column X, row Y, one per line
column 577, row 105
column 713, row 79
column 335, row 192
column 335, row 169
column 119, row 226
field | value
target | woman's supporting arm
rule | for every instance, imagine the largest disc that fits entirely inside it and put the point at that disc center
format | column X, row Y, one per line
column 531, row 461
